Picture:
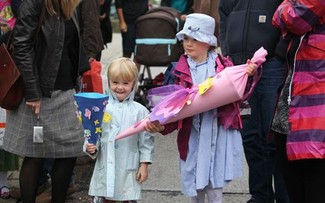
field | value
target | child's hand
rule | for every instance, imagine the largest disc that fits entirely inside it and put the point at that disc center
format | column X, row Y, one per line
column 154, row 127
column 251, row 67
column 91, row 148
column 142, row 174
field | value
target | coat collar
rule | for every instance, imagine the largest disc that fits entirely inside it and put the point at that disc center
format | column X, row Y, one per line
column 113, row 99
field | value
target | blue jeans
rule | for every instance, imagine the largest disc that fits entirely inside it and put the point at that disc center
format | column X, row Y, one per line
column 259, row 148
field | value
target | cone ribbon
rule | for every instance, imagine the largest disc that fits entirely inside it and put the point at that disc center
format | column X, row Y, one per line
column 91, row 108
column 224, row 88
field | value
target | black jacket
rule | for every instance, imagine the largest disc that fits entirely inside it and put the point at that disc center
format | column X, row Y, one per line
column 132, row 9
column 90, row 27
column 38, row 57
column 246, row 25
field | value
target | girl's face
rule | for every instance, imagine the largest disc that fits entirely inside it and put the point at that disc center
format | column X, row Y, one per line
column 195, row 49
column 122, row 88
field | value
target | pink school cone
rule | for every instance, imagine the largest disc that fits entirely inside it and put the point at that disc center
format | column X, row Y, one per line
column 228, row 86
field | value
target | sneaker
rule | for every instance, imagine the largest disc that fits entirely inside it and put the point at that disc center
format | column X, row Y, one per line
column 5, row 192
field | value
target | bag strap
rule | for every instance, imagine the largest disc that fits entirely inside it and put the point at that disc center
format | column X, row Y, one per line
column 40, row 21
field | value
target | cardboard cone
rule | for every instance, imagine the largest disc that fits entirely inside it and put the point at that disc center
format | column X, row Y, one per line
column 227, row 87
column 91, row 108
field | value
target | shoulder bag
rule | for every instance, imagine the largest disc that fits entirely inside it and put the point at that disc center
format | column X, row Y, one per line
column 11, row 85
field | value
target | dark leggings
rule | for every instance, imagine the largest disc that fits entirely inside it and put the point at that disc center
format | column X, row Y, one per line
column 305, row 179
column 60, row 176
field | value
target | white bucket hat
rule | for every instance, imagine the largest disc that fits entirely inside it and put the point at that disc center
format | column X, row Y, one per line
column 200, row 27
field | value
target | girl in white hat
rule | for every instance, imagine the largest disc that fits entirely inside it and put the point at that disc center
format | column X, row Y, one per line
column 211, row 151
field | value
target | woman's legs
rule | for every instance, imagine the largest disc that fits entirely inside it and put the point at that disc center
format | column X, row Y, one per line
column 304, row 178
column 314, row 179
column 61, row 175
column 292, row 177
column 29, row 177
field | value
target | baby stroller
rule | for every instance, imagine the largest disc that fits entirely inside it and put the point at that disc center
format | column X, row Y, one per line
column 156, row 45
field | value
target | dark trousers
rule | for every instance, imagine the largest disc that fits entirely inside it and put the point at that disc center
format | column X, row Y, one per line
column 260, row 151
column 305, row 179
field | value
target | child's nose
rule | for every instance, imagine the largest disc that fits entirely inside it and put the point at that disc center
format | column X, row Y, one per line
column 189, row 42
column 119, row 86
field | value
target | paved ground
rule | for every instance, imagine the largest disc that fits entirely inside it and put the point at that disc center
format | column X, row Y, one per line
column 163, row 183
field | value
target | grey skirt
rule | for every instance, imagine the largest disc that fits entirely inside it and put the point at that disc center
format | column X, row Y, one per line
column 63, row 133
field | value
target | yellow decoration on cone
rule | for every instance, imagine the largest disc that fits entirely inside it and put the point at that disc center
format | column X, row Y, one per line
column 107, row 118
column 205, row 85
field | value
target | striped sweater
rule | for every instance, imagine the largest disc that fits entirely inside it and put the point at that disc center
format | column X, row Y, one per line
column 305, row 18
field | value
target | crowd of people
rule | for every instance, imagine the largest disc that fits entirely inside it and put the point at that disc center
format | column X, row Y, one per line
column 283, row 138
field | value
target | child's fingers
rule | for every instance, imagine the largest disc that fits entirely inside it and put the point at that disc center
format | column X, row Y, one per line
column 138, row 177
column 157, row 126
column 147, row 127
column 91, row 148
column 141, row 178
column 90, row 151
column 250, row 63
column 150, row 127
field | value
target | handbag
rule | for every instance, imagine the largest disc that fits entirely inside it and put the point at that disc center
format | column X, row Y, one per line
column 92, row 79
column 11, row 84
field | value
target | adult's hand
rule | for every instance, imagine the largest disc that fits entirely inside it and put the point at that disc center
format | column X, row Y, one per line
column 35, row 106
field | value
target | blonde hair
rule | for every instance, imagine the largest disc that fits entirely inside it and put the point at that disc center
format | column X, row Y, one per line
column 66, row 7
column 125, row 69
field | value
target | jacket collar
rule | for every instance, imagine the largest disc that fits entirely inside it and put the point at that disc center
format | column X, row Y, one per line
column 113, row 99
column 182, row 70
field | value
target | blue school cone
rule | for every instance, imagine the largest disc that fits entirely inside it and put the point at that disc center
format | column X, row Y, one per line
column 91, row 108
